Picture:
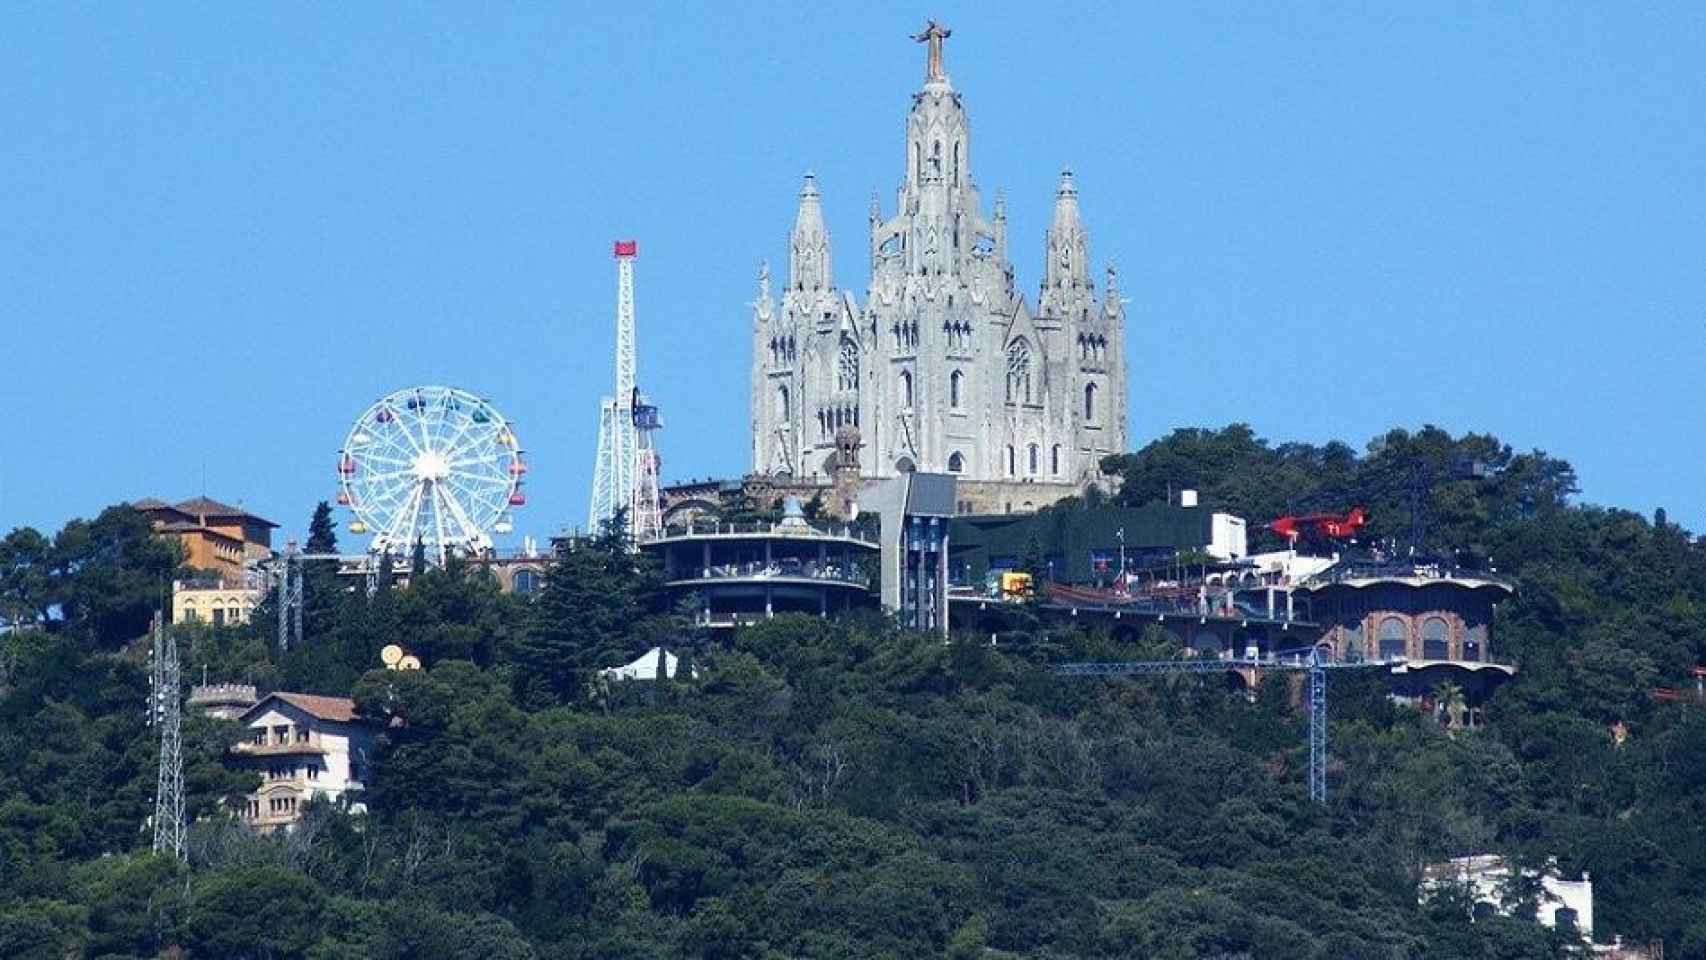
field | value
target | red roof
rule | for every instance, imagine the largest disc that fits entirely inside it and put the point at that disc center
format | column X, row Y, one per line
column 338, row 709
column 208, row 507
column 197, row 508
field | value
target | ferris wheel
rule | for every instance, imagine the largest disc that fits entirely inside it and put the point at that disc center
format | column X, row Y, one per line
column 434, row 465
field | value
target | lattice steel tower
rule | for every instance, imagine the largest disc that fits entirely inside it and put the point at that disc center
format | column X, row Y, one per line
column 646, row 514
column 618, row 445
column 165, row 713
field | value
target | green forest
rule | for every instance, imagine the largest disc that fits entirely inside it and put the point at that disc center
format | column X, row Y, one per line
column 845, row 789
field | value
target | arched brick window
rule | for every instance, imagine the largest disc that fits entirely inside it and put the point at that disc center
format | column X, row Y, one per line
column 1394, row 639
column 1436, row 639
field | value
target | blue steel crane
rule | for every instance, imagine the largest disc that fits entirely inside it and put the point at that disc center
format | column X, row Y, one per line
column 1311, row 661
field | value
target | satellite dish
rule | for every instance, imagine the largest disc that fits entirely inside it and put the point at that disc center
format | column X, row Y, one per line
column 391, row 655
column 410, row 662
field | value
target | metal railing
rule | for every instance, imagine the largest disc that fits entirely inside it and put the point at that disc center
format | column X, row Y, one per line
column 779, row 570
column 700, row 528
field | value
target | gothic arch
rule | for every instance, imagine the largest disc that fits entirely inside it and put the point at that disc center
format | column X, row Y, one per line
column 847, row 365
column 1019, row 370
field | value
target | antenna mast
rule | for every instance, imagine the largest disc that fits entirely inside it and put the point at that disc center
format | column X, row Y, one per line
column 165, row 711
column 613, row 480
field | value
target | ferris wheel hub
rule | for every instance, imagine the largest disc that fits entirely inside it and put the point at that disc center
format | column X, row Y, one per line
column 431, row 465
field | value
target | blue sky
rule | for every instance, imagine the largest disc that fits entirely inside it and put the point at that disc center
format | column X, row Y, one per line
column 228, row 228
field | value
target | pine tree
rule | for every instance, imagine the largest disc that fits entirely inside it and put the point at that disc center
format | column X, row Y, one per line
column 322, row 533
column 588, row 615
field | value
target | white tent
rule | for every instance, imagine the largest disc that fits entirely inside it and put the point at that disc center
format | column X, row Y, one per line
column 646, row 667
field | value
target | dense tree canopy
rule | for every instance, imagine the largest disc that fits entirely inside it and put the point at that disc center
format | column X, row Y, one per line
column 844, row 789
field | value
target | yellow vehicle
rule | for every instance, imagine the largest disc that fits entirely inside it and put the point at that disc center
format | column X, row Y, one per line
column 1016, row 585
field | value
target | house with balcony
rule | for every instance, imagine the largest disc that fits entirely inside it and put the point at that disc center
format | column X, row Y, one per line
column 1434, row 621
column 304, row 747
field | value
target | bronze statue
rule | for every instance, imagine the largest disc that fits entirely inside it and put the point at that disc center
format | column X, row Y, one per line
column 933, row 34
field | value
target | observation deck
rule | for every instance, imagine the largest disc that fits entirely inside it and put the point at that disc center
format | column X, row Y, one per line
column 743, row 573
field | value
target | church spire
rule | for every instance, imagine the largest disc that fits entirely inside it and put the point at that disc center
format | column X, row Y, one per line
column 1068, row 265
column 808, row 246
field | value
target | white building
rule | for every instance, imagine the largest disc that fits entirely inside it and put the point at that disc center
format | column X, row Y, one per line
column 1561, row 902
column 303, row 746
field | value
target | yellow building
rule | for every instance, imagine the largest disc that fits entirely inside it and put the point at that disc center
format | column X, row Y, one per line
column 216, row 601
column 216, row 537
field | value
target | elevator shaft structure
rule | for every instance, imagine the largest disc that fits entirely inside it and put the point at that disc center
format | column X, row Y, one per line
column 615, row 471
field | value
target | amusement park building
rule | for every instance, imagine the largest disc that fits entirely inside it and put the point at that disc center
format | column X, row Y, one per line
column 945, row 367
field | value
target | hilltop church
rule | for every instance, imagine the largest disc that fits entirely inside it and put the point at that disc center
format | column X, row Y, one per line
column 945, row 367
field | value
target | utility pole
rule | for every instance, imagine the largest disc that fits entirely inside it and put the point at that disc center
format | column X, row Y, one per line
column 165, row 713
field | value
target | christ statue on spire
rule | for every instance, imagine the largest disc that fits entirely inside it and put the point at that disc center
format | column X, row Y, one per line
column 933, row 34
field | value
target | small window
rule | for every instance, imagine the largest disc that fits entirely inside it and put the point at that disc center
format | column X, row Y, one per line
column 1033, row 458
column 783, row 408
column 954, row 380
column 956, row 463
column 1012, row 469
column 906, row 389
column 1054, row 460
column 1090, row 402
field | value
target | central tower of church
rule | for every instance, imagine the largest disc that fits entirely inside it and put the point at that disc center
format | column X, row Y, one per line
column 946, row 367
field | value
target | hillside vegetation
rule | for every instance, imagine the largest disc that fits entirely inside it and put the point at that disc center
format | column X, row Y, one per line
column 843, row 789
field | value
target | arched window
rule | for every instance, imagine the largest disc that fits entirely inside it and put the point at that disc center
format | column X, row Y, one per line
column 847, row 375
column 1019, row 371
column 954, row 381
column 1090, row 402
column 1033, row 458
column 1436, row 639
column 906, row 389
column 956, row 163
column 1054, row 460
column 956, row 463
column 1012, row 469
column 904, row 465
column 782, row 406
column 525, row 581
column 1394, row 639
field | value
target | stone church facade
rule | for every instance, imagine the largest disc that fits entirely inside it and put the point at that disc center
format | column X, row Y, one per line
column 945, row 367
